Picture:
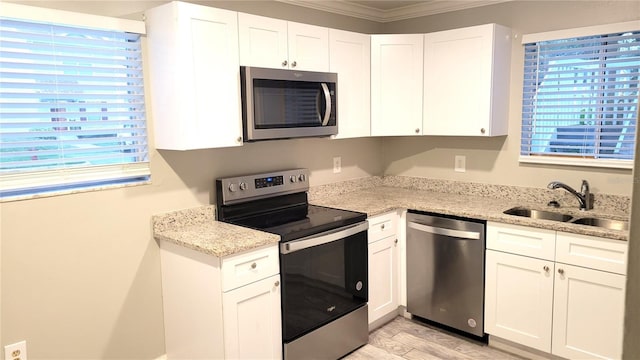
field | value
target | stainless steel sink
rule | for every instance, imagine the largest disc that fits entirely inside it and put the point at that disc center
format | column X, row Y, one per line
column 603, row 223
column 538, row 214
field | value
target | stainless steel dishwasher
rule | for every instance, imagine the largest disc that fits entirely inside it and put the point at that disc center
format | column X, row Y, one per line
column 445, row 270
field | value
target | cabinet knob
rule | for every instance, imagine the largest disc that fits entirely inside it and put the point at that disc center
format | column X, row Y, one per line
column 561, row 271
column 284, row 63
column 276, row 284
column 254, row 265
column 293, row 64
column 395, row 241
column 417, row 131
column 382, row 227
column 239, row 139
column 482, row 131
column 545, row 268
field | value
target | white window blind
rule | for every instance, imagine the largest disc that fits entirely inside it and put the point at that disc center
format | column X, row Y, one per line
column 72, row 110
column 580, row 98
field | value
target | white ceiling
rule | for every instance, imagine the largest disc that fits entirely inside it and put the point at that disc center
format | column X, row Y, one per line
column 391, row 10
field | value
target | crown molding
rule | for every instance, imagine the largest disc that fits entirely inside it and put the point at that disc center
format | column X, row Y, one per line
column 402, row 13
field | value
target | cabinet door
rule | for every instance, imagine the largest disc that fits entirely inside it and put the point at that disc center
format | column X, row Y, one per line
column 459, row 87
column 195, row 76
column 350, row 57
column 308, row 47
column 588, row 313
column 263, row 41
column 383, row 278
column 519, row 299
column 252, row 324
column 396, row 84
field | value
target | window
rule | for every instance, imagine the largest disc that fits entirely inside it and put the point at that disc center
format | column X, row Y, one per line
column 580, row 99
column 72, row 110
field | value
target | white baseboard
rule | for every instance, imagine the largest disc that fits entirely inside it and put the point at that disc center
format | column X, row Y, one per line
column 162, row 357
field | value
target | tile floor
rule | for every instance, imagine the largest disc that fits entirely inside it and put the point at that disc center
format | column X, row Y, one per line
column 408, row 339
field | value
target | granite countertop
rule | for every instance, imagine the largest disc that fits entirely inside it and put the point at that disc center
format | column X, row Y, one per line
column 380, row 199
column 197, row 228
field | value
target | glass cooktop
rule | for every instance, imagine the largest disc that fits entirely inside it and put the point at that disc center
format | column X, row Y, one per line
column 300, row 221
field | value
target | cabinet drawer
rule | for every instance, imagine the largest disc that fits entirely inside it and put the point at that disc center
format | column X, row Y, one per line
column 592, row 252
column 521, row 240
column 245, row 268
column 382, row 226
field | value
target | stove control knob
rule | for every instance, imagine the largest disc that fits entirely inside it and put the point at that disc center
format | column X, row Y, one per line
column 302, row 177
column 233, row 187
column 293, row 178
column 243, row 186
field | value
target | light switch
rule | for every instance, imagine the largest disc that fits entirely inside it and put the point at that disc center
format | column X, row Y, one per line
column 460, row 164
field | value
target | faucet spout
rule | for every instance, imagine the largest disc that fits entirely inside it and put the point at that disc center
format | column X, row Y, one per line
column 585, row 198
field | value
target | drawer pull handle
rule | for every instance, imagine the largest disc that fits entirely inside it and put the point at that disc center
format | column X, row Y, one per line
column 545, row 268
column 382, row 227
column 276, row 284
column 254, row 265
column 561, row 271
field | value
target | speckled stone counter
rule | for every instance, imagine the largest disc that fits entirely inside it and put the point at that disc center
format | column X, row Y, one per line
column 488, row 204
column 197, row 229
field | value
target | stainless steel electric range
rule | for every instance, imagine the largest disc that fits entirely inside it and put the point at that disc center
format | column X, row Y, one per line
column 323, row 260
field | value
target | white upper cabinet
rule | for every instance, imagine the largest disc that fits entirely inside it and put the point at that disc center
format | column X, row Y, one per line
column 350, row 58
column 274, row 43
column 396, row 84
column 466, row 81
column 195, row 76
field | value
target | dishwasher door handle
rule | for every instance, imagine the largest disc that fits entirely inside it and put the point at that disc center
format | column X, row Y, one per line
column 470, row 235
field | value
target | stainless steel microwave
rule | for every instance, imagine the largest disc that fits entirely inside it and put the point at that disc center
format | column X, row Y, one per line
column 282, row 104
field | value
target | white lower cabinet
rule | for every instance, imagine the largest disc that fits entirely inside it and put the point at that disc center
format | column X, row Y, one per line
column 588, row 313
column 519, row 299
column 221, row 308
column 252, row 320
column 383, row 266
column 572, row 307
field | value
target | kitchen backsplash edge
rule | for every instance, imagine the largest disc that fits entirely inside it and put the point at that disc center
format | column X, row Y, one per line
column 602, row 202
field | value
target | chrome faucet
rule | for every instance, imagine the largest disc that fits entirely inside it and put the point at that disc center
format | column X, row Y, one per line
column 585, row 198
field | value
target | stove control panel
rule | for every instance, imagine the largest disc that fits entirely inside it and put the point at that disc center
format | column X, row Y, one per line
column 251, row 187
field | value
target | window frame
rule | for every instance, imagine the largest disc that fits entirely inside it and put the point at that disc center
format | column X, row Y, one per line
column 57, row 181
column 566, row 34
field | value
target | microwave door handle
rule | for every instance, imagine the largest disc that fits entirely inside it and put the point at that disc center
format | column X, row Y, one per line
column 327, row 104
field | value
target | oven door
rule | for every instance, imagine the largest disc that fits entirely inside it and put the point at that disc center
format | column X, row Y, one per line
column 324, row 277
column 288, row 103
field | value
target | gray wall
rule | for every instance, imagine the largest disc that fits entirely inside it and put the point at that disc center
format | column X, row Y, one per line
column 80, row 273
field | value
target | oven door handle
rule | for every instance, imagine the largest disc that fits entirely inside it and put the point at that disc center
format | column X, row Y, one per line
column 322, row 238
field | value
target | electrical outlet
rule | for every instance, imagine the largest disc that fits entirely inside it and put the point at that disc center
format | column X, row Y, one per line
column 460, row 164
column 337, row 164
column 17, row 351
